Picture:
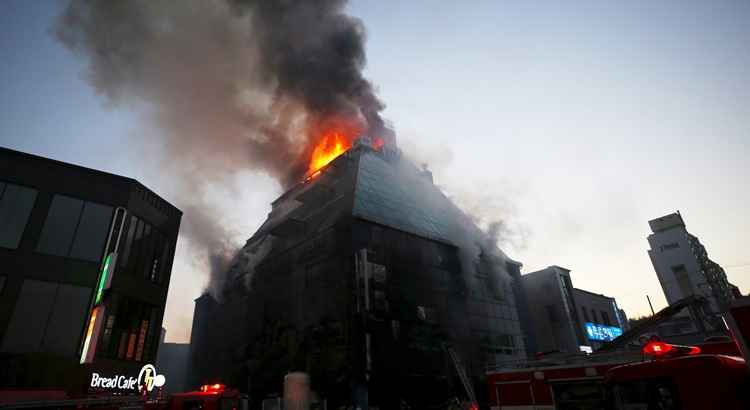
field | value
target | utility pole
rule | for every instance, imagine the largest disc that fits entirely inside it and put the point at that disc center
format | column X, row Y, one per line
column 650, row 305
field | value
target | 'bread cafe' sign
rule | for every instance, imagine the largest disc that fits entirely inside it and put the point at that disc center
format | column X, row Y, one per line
column 145, row 382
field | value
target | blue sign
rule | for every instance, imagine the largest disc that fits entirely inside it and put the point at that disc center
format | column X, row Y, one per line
column 602, row 333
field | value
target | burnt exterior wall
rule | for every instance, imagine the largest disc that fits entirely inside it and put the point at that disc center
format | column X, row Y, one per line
column 359, row 305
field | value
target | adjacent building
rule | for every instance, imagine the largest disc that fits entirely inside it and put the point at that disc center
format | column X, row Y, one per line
column 683, row 266
column 566, row 319
column 85, row 263
column 172, row 363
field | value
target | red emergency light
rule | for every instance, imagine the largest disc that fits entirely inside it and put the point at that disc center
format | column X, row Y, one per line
column 213, row 388
column 661, row 349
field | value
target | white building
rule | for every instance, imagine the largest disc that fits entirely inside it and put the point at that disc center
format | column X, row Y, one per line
column 682, row 264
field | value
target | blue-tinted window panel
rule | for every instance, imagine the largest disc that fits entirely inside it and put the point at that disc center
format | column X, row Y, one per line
column 60, row 225
column 407, row 201
column 92, row 232
column 127, row 243
column 30, row 317
column 16, row 204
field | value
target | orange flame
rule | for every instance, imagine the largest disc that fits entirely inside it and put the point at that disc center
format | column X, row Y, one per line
column 331, row 145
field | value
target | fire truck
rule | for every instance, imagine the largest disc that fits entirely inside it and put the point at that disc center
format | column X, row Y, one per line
column 562, row 382
column 688, row 378
column 208, row 397
column 679, row 377
column 712, row 375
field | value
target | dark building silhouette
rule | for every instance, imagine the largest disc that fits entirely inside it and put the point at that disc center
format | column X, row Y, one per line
column 172, row 362
column 82, row 252
column 360, row 276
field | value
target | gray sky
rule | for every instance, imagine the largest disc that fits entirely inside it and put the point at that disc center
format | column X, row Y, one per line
column 575, row 125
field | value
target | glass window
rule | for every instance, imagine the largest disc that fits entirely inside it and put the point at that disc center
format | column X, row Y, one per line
column 141, row 340
column 157, row 259
column 128, row 331
column 585, row 315
column 121, row 348
column 62, row 330
column 144, row 263
column 605, row 318
column 30, row 316
column 131, row 346
column 128, row 241
column 107, row 335
column 163, row 261
column 16, row 203
column 60, row 226
column 683, row 280
column 135, row 248
column 92, row 232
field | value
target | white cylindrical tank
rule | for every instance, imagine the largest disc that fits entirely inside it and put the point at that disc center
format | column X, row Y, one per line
column 297, row 391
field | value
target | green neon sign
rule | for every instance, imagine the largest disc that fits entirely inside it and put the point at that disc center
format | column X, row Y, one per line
column 102, row 279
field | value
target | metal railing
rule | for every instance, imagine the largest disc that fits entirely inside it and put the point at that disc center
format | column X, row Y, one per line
column 566, row 360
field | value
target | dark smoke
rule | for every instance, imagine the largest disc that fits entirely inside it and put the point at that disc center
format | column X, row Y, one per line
column 230, row 86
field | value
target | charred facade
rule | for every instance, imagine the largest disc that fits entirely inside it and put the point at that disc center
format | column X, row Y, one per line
column 361, row 276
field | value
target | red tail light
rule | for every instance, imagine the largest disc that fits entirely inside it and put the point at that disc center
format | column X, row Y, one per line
column 657, row 348
column 661, row 349
column 212, row 388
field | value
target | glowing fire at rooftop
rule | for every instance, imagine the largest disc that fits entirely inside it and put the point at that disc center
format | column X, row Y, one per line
column 333, row 136
column 330, row 146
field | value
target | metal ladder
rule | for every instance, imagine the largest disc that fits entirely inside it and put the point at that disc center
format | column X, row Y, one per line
column 461, row 373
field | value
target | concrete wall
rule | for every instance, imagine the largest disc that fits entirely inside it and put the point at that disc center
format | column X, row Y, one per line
column 549, row 307
column 670, row 249
column 598, row 309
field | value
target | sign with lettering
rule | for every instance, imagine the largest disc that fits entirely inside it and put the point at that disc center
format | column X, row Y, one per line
column 146, row 381
column 602, row 333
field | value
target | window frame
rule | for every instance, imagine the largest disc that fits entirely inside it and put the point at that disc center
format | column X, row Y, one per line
column 4, row 190
column 69, row 251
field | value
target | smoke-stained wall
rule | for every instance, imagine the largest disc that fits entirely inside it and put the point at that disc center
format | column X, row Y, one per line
column 309, row 309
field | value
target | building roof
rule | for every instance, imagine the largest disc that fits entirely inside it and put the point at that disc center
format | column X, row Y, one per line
column 376, row 186
column 592, row 293
column 665, row 222
column 9, row 153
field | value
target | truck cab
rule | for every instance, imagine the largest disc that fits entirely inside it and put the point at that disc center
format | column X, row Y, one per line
column 709, row 376
column 679, row 378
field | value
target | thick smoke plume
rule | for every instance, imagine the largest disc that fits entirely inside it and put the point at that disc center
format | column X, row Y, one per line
column 230, row 85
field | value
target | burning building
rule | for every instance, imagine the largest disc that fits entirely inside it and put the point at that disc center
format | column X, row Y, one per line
column 364, row 270
column 361, row 275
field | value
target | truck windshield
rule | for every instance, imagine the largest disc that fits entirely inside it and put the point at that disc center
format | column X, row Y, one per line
column 649, row 394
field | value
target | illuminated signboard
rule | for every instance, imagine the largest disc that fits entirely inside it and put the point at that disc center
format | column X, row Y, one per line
column 147, row 379
column 103, row 278
column 96, row 317
column 602, row 333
